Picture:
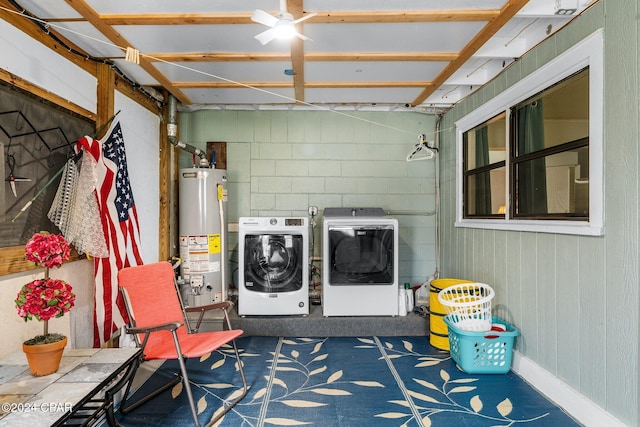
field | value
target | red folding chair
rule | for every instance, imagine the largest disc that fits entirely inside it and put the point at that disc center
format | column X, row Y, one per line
column 157, row 321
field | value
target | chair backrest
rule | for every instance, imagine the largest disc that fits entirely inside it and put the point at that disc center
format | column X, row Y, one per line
column 152, row 293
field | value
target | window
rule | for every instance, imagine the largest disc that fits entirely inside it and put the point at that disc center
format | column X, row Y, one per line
column 531, row 158
column 550, row 152
column 549, row 157
column 484, row 168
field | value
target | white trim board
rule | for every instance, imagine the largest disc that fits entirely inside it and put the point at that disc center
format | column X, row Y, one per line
column 574, row 403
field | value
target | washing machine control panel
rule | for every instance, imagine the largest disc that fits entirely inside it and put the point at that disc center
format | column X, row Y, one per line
column 294, row 222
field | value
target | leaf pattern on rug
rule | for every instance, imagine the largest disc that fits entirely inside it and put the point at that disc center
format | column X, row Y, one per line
column 347, row 381
column 442, row 395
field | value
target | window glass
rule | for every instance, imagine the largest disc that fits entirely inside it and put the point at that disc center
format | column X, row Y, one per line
column 555, row 116
column 489, row 138
column 550, row 139
column 486, row 193
column 485, row 176
column 562, row 190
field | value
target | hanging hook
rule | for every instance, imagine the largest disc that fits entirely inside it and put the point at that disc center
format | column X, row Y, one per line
column 18, row 121
column 421, row 151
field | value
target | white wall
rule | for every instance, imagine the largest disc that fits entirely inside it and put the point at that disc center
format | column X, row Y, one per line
column 37, row 64
column 141, row 132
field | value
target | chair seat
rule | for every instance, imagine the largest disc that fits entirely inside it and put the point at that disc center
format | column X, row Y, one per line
column 161, row 346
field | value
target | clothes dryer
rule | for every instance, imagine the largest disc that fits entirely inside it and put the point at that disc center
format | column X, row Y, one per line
column 360, row 262
column 273, row 266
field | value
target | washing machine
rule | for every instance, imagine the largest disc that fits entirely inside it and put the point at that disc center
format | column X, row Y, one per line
column 360, row 262
column 273, row 276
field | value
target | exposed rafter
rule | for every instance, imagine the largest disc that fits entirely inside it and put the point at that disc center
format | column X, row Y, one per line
column 507, row 12
column 431, row 54
column 90, row 15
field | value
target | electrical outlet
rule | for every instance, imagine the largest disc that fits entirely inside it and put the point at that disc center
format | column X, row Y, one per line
column 313, row 210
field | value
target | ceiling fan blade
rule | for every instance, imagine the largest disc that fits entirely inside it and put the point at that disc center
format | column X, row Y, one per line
column 307, row 16
column 303, row 37
column 264, row 18
column 266, row 36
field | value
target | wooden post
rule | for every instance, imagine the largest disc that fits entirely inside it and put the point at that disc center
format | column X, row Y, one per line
column 164, row 230
column 105, row 97
column 105, row 110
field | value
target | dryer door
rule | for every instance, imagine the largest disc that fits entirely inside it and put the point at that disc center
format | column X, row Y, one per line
column 273, row 262
column 361, row 255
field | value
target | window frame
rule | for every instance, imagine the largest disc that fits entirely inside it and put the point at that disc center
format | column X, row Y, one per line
column 586, row 53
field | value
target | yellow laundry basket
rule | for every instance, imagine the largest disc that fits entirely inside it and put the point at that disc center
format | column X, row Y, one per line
column 439, row 333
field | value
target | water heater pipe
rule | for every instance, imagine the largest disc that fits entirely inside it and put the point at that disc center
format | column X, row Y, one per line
column 172, row 131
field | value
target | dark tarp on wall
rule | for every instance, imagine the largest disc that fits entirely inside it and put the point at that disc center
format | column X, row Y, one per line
column 36, row 138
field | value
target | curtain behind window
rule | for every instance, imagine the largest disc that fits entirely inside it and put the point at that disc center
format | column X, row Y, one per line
column 532, row 174
column 483, row 180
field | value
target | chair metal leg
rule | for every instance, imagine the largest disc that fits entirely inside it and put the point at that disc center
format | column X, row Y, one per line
column 126, row 379
column 239, row 398
column 126, row 408
column 185, row 379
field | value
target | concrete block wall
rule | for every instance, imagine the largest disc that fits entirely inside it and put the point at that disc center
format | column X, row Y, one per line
column 280, row 163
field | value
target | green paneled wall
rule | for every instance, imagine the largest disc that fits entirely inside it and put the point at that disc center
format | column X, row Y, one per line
column 281, row 162
column 574, row 298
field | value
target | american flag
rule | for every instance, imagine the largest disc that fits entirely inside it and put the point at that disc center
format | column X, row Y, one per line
column 120, row 226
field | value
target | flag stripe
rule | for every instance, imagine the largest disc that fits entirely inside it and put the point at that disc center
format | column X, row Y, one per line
column 119, row 219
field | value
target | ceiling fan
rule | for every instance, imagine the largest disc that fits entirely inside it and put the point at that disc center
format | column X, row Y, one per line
column 282, row 24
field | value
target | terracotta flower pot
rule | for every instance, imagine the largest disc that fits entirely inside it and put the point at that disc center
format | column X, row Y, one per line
column 44, row 359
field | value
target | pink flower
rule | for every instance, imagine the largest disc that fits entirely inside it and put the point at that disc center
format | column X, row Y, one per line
column 48, row 250
column 44, row 299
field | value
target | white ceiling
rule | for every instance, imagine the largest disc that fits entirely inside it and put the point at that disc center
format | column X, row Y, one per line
column 401, row 54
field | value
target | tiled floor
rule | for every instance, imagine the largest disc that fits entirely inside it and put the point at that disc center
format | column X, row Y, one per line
column 38, row 401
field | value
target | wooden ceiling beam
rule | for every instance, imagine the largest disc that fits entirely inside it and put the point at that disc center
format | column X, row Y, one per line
column 90, row 15
column 381, row 56
column 321, row 17
column 177, row 19
column 404, row 16
column 311, row 57
column 229, row 84
column 294, row 7
column 219, row 57
column 506, row 13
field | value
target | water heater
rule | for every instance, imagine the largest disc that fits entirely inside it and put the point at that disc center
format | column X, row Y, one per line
column 203, row 235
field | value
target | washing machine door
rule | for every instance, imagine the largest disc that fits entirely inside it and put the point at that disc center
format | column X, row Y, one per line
column 273, row 262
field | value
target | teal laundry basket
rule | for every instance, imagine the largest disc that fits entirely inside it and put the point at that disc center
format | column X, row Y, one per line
column 489, row 352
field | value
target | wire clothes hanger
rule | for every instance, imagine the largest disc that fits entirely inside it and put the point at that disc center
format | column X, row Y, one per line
column 421, row 151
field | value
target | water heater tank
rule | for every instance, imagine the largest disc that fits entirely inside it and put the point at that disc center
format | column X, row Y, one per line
column 203, row 235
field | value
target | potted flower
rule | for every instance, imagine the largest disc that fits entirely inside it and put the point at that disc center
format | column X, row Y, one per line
column 44, row 299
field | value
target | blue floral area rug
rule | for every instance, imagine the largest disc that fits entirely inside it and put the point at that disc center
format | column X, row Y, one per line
column 343, row 382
